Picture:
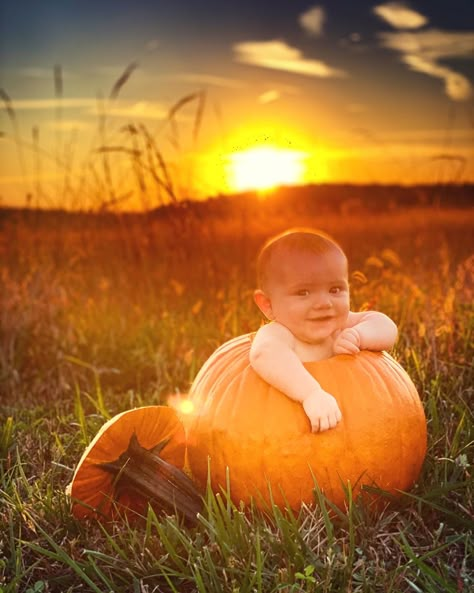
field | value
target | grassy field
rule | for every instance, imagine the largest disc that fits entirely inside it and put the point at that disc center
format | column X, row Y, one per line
column 102, row 313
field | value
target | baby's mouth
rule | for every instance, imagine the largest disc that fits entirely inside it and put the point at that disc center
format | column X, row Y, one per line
column 320, row 319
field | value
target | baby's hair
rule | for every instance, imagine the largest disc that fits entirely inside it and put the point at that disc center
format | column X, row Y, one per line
column 300, row 239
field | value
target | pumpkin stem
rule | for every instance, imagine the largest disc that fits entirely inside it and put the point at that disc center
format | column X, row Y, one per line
column 143, row 472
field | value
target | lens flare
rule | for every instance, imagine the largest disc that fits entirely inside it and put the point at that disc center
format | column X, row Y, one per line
column 181, row 404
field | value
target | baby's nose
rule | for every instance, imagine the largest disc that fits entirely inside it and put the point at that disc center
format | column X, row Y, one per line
column 322, row 301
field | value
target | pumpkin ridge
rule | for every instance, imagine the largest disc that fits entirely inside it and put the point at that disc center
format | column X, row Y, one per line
column 266, row 442
column 351, row 450
column 415, row 411
column 399, row 468
column 356, row 471
column 418, row 423
column 216, row 394
column 406, row 433
column 390, row 429
column 202, row 381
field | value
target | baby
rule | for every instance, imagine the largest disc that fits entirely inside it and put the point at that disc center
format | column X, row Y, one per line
column 303, row 290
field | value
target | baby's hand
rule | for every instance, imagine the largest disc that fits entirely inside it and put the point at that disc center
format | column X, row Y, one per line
column 347, row 342
column 322, row 410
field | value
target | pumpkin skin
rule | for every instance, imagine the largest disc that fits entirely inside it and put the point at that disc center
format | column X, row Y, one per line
column 92, row 488
column 264, row 438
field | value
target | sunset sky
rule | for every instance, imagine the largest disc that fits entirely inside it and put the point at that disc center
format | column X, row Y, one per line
column 283, row 92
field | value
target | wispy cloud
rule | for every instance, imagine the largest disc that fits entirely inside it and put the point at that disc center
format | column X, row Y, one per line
column 40, row 104
column 42, row 73
column 457, row 86
column 432, row 44
column 34, row 72
column 152, row 45
column 68, row 125
column 269, row 96
column 139, row 110
column 400, row 15
column 313, row 20
column 422, row 51
column 89, row 107
column 210, row 79
column 278, row 55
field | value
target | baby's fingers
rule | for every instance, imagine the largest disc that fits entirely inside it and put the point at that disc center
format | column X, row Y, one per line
column 323, row 425
column 346, row 347
column 351, row 348
column 328, row 422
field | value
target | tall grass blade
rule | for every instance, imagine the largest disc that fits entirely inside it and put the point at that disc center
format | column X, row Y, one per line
column 8, row 104
column 122, row 80
column 57, row 553
column 199, row 115
column 6, row 438
column 80, row 415
column 428, row 573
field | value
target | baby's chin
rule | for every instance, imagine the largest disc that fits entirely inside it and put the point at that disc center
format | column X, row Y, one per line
column 319, row 339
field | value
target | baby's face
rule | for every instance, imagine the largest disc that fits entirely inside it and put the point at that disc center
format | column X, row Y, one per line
column 309, row 294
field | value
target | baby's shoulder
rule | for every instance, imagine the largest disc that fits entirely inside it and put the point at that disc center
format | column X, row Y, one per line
column 276, row 332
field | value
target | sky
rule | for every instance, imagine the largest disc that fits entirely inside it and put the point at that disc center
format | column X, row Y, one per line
column 137, row 101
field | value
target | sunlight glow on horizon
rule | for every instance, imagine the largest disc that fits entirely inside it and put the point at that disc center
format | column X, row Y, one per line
column 265, row 167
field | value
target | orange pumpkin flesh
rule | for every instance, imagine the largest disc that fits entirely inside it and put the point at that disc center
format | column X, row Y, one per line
column 264, row 438
column 133, row 459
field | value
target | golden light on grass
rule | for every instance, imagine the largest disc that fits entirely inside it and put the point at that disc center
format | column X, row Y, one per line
column 265, row 167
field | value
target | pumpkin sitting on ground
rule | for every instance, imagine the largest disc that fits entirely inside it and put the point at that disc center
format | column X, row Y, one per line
column 135, row 459
column 264, row 438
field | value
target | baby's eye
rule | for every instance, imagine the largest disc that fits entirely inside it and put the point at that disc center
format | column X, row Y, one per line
column 302, row 292
column 335, row 289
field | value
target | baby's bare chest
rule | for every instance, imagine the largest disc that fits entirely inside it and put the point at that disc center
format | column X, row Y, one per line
column 313, row 352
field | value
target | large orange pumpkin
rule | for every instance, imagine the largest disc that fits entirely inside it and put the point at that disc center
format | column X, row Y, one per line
column 261, row 439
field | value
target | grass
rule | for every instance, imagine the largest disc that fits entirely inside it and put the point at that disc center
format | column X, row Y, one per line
column 101, row 313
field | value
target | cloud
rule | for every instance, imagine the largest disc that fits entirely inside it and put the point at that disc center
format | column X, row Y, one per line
column 313, row 20
column 33, row 72
column 400, row 15
column 457, row 86
column 278, row 55
column 210, row 79
column 141, row 109
column 269, row 96
column 152, row 44
column 422, row 51
column 432, row 44
column 42, row 73
column 68, row 125
column 40, row 104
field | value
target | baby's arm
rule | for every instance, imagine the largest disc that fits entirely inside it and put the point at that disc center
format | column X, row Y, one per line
column 273, row 357
column 368, row 330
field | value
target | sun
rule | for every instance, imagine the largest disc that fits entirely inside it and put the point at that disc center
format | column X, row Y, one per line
column 264, row 168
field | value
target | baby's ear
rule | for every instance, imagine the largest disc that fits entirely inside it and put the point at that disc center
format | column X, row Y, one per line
column 264, row 303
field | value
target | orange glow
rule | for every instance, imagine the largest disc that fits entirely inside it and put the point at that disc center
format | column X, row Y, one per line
column 265, row 167
column 186, row 406
column 181, row 404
